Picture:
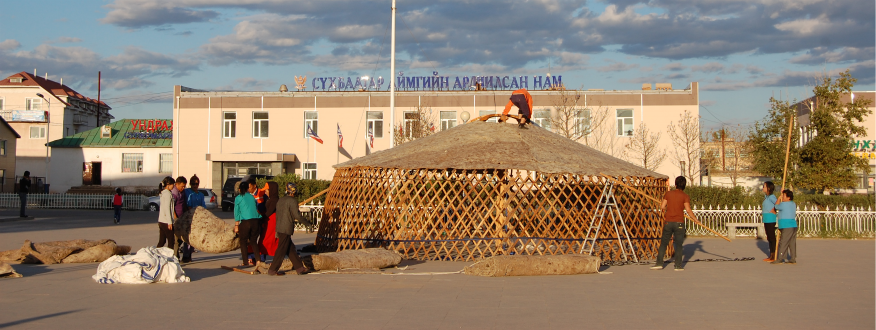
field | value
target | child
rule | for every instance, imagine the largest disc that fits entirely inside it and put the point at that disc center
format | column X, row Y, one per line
column 117, row 206
column 193, row 198
column 787, row 211
column 165, row 214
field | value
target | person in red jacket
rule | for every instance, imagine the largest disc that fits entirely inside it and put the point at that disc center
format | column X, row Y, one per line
column 523, row 101
column 117, row 206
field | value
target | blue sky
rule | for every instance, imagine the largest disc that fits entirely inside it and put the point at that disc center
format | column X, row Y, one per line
column 740, row 51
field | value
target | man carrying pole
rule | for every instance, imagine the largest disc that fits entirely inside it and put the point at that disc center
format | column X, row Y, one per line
column 675, row 203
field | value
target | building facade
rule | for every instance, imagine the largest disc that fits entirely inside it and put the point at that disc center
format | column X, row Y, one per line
column 42, row 110
column 236, row 133
column 8, row 140
column 862, row 146
column 122, row 154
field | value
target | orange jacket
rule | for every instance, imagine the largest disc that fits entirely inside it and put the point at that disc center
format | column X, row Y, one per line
column 511, row 104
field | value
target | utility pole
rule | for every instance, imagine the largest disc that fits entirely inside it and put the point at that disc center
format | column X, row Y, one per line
column 392, row 80
column 723, row 154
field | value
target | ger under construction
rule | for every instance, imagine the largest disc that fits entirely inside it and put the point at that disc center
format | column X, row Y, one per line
column 485, row 189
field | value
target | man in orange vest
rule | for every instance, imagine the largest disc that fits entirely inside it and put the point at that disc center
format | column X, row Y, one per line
column 523, row 101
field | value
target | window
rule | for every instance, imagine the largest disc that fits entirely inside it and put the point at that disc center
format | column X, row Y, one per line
column 165, row 163
column 411, row 119
column 37, row 132
column 33, row 104
column 448, row 120
column 229, row 124
column 488, row 112
column 582, row 122
column 259, row 124
column 310, row 171
column 542, row 118
column 1, row 103
column 311, row 120
column 3, row 148
column 625, row 122
column 132, row 163
column 375, row 124
column 2, row 179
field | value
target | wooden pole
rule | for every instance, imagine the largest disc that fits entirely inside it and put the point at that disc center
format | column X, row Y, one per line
column 784, row 176
column 314, row 197
column 658, row 202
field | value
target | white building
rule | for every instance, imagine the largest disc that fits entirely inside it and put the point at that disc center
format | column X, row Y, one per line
column 121, row 154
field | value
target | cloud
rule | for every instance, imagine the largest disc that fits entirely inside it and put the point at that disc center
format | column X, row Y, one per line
column 821, row 55
column 65, row 40
column 708, row 67
column 673, row 67
column 144, row 13
column 127, row 70
column 617, row 66
column 251, row 84
column 862, row 71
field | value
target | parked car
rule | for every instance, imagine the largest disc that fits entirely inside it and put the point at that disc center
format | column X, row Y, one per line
column 229, row 193
column 209, row 200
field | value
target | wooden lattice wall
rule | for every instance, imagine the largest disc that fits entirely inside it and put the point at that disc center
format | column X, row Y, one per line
column 429, row 214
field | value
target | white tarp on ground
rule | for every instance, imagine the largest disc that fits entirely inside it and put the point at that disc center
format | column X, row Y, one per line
column 149, row 265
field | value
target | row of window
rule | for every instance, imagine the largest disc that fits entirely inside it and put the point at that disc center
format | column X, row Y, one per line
column 36, row 104
column 133, row 163
column 374, row 122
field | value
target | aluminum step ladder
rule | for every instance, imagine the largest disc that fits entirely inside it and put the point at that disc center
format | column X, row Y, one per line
column 608, row 203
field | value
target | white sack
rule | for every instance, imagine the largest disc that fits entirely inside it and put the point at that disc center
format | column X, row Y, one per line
column 149, row 265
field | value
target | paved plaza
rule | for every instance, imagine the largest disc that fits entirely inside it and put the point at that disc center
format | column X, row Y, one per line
column 831, row 287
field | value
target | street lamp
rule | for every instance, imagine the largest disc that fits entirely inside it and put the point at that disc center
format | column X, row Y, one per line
column 47, row 137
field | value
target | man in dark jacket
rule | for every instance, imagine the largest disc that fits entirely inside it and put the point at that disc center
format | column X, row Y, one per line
column 23, row 189
column 287, row 214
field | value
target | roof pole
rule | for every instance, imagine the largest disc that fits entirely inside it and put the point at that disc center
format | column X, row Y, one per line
column 392, row 80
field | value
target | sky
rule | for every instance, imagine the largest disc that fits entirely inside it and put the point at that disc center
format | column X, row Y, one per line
column 742, row 52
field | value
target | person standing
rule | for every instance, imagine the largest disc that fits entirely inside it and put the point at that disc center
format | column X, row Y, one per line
column 247, row 224
column 165, row 214
column 675, row 203
column 787, row 214
column 193, row 198
column 769, row 218
column 267, row 238
column 287, row 215
column 117, row 206
column 179, row 207
column 23, row 189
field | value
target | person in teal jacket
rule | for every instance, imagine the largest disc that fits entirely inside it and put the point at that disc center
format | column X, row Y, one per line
column 787, row 213
column 247, row 226
column 769, row 218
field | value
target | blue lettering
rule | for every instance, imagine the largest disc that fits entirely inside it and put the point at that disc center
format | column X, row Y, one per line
column 487, row 82
column 524, row 82
column 323, row 82
column 514, row 84
column 313, row 83
column 411, row 82
column 427, row 83
column 497, row 83
column 399, row 82
column 466, row 81
column 332, row 84
column 445, row 82
column 558, row 81
column 505, row 81
column 457, row 84
column 379, row 82
column 358, row 83
column 547, row 83
column 350, row 83
column 536, row 82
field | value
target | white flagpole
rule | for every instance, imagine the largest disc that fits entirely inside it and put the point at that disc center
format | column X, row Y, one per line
column 392, row 78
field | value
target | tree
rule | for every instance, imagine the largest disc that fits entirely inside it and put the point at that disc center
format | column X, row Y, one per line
column 644, row 149
column 569, row 119
column 686, row 140
column 415, row 125
column 825, row 161
column 733, row 148
column 768, row 139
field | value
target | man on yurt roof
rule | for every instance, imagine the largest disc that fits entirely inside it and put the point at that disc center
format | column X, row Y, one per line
column 523, row 101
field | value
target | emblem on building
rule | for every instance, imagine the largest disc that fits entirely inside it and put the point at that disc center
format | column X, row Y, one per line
column 299, row 82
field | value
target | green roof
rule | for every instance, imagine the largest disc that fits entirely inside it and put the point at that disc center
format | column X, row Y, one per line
column 91, row 138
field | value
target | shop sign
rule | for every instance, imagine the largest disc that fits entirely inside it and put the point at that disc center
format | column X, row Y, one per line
column 28, row 115
column 865, row 155
column 152, row 125
column 863, row 145
column 148, row 135
column 436, row 82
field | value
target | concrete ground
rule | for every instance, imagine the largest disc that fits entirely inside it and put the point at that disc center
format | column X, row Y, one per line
column 831, row 287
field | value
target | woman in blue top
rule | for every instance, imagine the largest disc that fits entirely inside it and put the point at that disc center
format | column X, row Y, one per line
column 247, row 226
column 769, row 218
column 787, row 223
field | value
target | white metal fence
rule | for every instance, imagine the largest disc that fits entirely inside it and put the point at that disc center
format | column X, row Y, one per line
column 314, row 213
column 855, row 222
column 72, row 201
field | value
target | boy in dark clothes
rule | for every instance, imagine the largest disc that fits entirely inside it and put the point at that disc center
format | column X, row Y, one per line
column 117, row 206
column 675, row 203
column 287, row 214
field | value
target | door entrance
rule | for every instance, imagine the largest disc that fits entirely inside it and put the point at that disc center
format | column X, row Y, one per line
column 91, row 173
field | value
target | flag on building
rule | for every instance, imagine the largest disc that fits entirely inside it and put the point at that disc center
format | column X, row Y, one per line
column 340, row 137
column 371, row 137
column 313, row 135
